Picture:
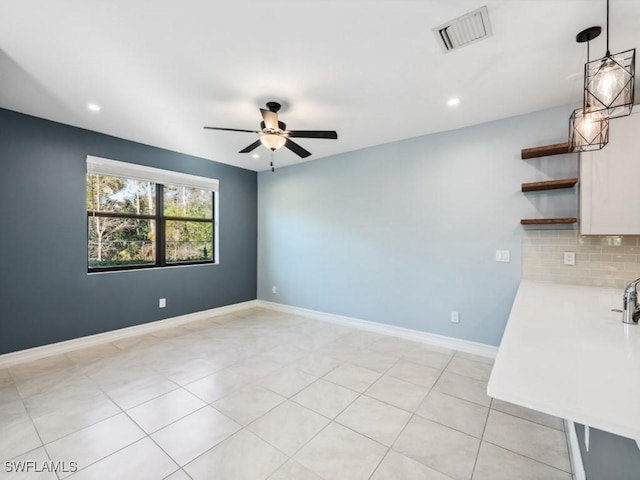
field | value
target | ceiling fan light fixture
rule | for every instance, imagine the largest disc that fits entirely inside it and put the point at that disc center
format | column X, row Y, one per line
column 274, row 134
column 272, row 141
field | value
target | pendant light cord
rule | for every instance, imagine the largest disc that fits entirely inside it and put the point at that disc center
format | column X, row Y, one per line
column 608, row 52
column 586, row 101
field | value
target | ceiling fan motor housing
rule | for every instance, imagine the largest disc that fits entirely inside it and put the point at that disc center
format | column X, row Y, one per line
column 281, row 127
column 274, row 106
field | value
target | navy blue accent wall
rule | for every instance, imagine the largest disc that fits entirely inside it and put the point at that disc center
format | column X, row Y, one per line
column 46, row 294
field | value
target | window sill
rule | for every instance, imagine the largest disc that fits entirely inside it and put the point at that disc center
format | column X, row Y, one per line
column 152, row 268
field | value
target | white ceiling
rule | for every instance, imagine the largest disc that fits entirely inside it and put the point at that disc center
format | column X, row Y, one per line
column 370, row 69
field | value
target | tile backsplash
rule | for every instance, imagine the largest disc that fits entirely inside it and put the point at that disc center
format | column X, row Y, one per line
column 603, row 261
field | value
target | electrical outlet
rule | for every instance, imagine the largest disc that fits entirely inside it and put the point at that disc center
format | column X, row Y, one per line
column 503, row 256
column 569, row 258
column 162, row 303
column 455, row 317
column 274, row 290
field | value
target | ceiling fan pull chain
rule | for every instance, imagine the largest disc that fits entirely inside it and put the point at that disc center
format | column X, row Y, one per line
column 272, row 168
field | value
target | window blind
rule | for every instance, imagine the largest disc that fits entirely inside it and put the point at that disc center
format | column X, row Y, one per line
column 114, row 168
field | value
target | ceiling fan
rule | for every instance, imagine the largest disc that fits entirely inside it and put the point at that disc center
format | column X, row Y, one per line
column 274, row 133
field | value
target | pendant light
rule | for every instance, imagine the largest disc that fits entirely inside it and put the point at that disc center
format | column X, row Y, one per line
column 588, row 128
column 587, row 131
column 609, row 82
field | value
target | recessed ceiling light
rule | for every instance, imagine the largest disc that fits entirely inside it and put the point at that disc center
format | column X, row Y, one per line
column 94, row 107
column 452, row 102
column 255, row 155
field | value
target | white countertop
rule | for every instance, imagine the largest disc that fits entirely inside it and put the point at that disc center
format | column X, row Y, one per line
column 566, row 354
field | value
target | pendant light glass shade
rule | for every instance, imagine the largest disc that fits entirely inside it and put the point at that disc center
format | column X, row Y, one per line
column 272, row 141
column 588, row 131
column 609, row 84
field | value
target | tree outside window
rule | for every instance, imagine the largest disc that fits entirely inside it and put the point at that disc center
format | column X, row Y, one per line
column 135, row 224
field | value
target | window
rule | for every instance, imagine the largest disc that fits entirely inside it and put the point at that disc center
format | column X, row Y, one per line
column 142, row 217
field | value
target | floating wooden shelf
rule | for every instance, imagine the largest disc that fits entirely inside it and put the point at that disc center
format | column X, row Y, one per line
column 549, row 185
column 545, row 151
column 547, row 221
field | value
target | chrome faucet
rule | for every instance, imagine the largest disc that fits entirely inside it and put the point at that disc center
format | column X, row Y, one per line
column 631, row 309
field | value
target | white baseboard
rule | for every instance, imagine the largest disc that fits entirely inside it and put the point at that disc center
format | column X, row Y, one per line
column 36, row 353
column 574, row 451
column 415, row 335
column 28, row 355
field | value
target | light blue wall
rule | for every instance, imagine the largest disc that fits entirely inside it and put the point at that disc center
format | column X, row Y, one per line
column 405, row 233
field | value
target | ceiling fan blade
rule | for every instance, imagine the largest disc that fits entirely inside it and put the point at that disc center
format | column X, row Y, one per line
column 297, row 149
column 270, row 119
column 231, row 129
column 251, row 147
column 331, row 134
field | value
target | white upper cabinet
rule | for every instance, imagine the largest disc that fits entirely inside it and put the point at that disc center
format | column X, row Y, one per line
column 610, row 181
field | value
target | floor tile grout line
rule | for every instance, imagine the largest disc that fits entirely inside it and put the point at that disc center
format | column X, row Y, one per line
column 456, row 396
column 236, row 421
column 138, row 404
column 149, row 435
column 179, row 469
column 319, row 413
column 528, row 457
column 391, row 404
column 484, row 428
column 513, row 451
column 33, row 424
column 449, row 426
column 414, row 414
column 360, row 433
column 408, row 456
column 211, row 448
column 528, row 419
column 379, row 463
column 330, row 421
column 32, row 451
column 24, row 405
column 113, row 453
column 122, row 411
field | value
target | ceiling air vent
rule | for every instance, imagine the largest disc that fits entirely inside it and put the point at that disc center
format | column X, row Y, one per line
column 464, row 30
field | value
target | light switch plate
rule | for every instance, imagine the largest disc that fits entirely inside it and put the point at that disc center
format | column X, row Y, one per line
column 503, row 256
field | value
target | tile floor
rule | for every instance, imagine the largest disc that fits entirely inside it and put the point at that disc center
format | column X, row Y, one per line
column 264, row 395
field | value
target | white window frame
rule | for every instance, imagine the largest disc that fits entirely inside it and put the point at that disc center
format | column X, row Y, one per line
column 116, row 168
